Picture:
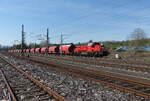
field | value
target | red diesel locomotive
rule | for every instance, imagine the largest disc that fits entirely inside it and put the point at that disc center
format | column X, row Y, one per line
column 91, row 49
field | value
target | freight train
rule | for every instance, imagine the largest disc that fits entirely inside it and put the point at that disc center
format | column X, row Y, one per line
column 91, row 49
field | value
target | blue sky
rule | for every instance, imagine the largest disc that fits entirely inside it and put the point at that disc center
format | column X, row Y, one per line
column 78, row 20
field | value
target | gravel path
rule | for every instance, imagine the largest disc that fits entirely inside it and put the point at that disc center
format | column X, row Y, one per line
column 74, row 89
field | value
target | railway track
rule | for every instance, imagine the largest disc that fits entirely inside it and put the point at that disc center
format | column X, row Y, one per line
column 4, row 90
column 23, row 87
column 122, row 64
column 121, row 61
column 96, row 59
column 124, row 83
column 119, row 65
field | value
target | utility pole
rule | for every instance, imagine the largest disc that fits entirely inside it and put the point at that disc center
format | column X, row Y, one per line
column 47, row 38
column 61, row 39
column 61, row 42
column 23, row 38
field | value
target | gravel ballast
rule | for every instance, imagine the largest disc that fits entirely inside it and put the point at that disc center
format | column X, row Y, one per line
column 74, row 89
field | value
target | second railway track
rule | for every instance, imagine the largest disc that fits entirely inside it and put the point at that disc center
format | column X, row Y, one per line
column 98, row 62
column 104, row 63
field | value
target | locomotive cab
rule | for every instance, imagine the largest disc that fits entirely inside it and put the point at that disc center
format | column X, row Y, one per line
column 96, row 49
column 93, row 44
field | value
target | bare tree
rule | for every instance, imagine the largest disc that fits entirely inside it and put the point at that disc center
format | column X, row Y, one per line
column 138, row 34
column 138, row 38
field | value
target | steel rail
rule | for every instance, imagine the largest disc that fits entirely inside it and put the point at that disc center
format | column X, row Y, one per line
column 99, row 59
column 113, row 65
column 87, row 77
column 90, row 75
column 13, row 97
column 102, row 62
column 45, row 88
column 48, row 62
